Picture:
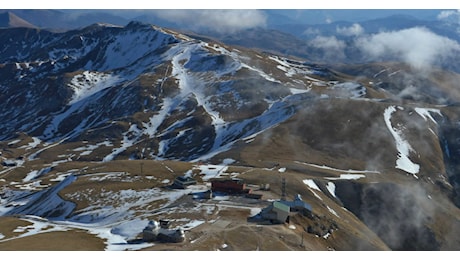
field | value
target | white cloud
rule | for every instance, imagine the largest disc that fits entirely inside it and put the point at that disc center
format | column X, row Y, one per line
column 450, row 15
column 222, row 21
column 328, row 42
column 354, row 30
column 417, row 46
column 331, row 45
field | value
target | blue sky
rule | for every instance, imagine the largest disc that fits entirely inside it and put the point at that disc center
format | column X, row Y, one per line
column 253, row 4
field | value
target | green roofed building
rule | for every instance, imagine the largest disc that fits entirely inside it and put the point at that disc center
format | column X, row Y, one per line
column 277, row 212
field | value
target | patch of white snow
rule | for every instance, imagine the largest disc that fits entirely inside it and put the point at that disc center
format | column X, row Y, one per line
column 426, row 113
column 331, row 188
column 403, row 162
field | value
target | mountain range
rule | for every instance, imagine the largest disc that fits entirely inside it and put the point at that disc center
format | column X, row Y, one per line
column 320, row 36
column 97, row 122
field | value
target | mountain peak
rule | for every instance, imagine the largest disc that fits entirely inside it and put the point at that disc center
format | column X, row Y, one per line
column 9, row 19
column 137, row 24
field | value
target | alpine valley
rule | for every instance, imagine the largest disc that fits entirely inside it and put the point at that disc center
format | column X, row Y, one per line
column 96, row 124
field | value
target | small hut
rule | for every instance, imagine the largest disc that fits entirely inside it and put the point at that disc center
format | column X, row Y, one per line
column 183, row 181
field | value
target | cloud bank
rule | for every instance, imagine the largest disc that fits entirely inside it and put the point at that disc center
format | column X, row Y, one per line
column 220, row 21
column 416, row 46
column 450, row 16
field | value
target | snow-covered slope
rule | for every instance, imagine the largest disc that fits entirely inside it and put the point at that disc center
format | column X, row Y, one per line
column 161, row 83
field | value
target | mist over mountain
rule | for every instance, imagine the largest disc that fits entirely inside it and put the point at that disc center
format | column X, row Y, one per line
column 98, row 121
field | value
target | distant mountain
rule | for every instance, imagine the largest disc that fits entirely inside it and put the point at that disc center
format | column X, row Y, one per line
column 277, row 17
column 325, row 16
column 268, row 40
column 9, row 20
column 42, row 18
column 66, row 20
column 85, row 19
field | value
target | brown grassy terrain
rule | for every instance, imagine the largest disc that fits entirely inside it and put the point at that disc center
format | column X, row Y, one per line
column 55, row 241
column 225, row 226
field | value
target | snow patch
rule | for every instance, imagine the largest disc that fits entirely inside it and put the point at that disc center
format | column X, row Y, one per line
column 129, row 139
column 88, row 149
column 426, row 113
column 403, row 162
column 332, row 211
column 311, row 184
column 228, row 161
column 335, row 169
column 331, row 188
column 125, row 229
column 107, row 176
column 295, row 91
column 192, row 224
column 14, row 142
column 61, row 177
column 35, row 174
column 35, row 142
column 347, row 177
column 89, row 83
column 211, row 171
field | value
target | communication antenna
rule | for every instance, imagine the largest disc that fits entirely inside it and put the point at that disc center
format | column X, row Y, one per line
column 283, row 188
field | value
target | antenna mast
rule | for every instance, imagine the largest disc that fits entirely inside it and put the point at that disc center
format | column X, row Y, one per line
column 283, row 188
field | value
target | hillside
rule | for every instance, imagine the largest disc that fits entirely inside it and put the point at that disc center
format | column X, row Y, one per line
column 98, row 122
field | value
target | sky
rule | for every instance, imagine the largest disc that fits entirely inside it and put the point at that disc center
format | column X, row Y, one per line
column 253, row 4
column 236, row 15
